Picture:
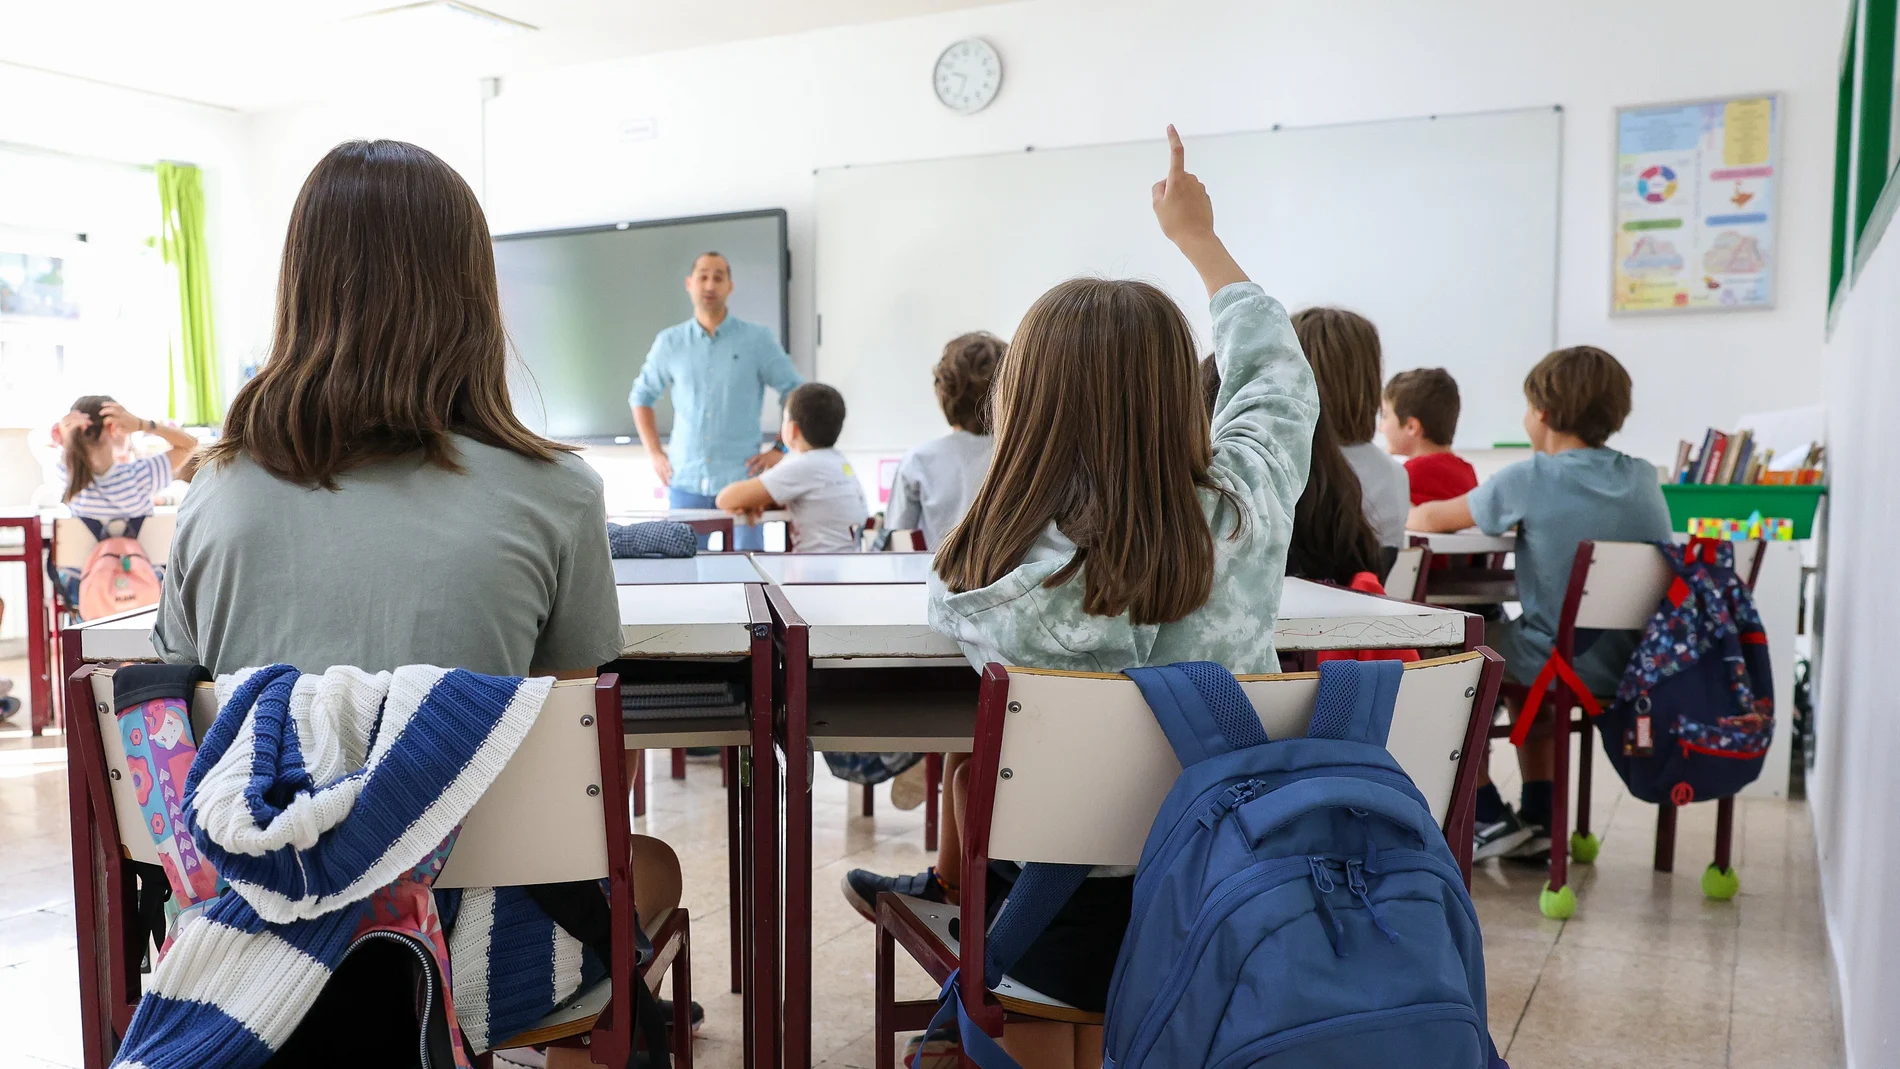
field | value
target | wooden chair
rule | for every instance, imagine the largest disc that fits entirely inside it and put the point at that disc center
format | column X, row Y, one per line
column 568, row 773
column 1071, row 767
column 1407, row 577
column 1614, row 586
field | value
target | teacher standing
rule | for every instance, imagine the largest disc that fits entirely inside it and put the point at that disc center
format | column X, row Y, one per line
column 718, row 367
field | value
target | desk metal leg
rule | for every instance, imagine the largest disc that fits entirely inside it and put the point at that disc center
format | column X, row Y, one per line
column 798, row 817
column 758, row 777
column 40, row 689
column 736, row 855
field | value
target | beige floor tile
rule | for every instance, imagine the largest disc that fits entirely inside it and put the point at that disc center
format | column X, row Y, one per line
column 1761, row 1042
column 1511, row 969
column 1620, row 1007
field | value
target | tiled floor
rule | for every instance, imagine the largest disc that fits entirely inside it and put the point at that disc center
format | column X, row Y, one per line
column 1648, row 974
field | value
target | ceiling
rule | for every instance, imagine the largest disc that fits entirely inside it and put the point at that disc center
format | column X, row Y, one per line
column 253, row 55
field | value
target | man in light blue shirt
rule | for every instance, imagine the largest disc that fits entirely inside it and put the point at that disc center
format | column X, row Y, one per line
column 718, row 367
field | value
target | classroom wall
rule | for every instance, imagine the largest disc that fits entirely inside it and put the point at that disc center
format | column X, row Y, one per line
column 1854, row 791
column 742, row 126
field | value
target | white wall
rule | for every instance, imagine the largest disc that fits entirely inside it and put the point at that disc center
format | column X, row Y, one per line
column 1854, row 790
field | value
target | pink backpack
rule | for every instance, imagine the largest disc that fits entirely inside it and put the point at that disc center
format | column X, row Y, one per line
column 118, row 576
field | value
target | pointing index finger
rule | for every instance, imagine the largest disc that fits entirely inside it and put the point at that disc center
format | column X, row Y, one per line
column 1177, row 156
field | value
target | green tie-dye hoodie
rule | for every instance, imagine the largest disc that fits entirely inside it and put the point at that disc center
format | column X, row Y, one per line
column 1263, row 440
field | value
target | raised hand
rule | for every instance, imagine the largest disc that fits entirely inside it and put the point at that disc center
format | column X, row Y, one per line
column 119, row 419
column 1181, row 202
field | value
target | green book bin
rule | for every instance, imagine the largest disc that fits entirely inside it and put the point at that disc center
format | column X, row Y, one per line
column 1690, row 501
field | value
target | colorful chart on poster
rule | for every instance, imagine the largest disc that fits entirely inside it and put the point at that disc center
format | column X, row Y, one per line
column 1695, row 206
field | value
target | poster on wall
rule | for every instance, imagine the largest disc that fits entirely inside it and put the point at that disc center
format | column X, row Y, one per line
column 1695, row 206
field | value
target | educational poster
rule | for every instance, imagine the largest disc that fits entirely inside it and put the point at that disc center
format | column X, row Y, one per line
column 1695, row 206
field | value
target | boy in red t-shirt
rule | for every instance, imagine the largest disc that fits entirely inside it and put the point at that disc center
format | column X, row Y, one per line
column 1418, row 418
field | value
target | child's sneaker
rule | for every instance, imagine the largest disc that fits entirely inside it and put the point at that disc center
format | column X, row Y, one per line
column 907, row 790
column 1502, row 837
column 861, row 888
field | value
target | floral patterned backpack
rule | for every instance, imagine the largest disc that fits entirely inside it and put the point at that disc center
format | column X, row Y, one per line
column 1695, row 711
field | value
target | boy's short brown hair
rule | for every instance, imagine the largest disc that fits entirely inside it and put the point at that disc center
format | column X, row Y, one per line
column 1429, row 395
column 1343, row 348
column 964, row 376
column 1581, row 390
column 819, row 412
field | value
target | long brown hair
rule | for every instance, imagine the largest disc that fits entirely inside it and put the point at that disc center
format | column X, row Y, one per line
column 1100, row 429
column 388, row 336
column 1332, row 540
column 1343, row 348
column 77, row 447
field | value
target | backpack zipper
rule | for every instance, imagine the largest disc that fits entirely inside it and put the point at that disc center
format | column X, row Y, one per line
column 1279, row 1042
column 427, row 1014
column 1691, row 748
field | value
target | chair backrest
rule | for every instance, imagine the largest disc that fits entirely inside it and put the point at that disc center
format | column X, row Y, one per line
column 1089, row 767
column 1617, row 585
column 1404, row 580
column 905, row 540
column 541, row 821
column 72, row 542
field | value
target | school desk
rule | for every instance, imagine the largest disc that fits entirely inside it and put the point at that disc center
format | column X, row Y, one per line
column 671, row 632
column 862, row 670
column 1476, row 573
column 29, row 550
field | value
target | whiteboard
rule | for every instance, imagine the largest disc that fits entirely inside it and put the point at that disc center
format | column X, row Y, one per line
column 1441, row 230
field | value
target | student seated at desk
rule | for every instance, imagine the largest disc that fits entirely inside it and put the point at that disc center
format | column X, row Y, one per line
column 1344, row 350
column 815, row 484
column 1418, row 419
column 105, row 477
column 1114, row 531
column 1573, row 488
column 1332, row 542
column 937, row 480
column 373, row 500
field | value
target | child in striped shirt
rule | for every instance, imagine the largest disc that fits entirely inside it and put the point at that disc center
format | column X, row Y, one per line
column 99, row 484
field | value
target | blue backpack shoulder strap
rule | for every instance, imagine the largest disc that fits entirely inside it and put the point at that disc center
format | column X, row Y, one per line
column 1355, row 701
column 1201, row 708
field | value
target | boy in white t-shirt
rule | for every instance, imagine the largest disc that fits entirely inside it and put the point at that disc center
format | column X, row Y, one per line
column 815, row 482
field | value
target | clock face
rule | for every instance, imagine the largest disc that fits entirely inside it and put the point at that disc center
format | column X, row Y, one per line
column 968, row 75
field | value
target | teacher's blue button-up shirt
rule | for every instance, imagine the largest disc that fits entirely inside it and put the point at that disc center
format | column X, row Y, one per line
column 718, row 382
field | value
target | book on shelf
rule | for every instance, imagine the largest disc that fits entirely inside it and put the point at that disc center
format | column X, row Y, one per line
column 1738, row 459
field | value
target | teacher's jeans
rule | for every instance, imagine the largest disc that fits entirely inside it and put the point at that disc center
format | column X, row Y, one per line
column 745, row 536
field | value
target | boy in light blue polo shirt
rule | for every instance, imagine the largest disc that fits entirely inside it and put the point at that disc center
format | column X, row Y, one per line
column 1573, row 489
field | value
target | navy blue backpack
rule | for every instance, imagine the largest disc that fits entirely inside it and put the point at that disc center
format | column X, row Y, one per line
column 1296, row 906
column 1695, row 711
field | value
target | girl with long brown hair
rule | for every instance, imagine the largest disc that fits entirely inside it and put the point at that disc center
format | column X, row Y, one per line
column 1115, row 530
column 373, row 500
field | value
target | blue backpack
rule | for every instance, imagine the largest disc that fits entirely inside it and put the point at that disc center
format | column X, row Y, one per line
column 1296, row 907
column 1695, row 711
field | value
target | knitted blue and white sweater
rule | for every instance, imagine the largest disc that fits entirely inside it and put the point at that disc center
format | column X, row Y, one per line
column 309, row 794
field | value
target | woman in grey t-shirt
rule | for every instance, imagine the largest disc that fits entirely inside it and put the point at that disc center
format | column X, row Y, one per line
column 373, row 500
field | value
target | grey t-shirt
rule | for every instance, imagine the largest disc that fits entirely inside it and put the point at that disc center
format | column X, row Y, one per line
column 1386, row 489
column 1556, row 500
column 499, row 568
column 936, row 482
column 824, row 497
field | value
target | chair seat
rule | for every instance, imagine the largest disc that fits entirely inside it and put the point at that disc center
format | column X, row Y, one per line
column 1017, row 997
column 579, row 1013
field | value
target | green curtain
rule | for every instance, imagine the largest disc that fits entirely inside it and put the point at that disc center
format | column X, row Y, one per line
column 194, row 395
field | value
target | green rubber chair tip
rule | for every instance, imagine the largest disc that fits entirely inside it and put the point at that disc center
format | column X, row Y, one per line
column 1584, row 848
column 1557, row 905
column 1720, row 884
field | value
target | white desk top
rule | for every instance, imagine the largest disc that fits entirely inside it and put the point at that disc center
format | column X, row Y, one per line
column 684, row 620
column 710, row 568
column 889, row 620
column 656, row 620
column 1469, row 540
column 818, row 568
column 126, row 637
column 689, row 515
